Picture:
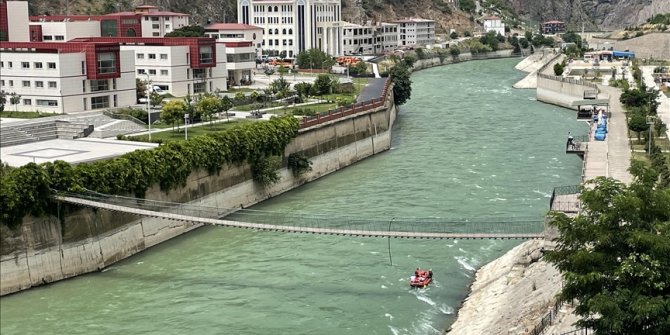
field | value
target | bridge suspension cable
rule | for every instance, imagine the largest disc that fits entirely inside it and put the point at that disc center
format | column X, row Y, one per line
column 483, row 227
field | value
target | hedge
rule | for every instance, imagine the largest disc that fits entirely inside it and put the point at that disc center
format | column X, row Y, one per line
column 27, row 189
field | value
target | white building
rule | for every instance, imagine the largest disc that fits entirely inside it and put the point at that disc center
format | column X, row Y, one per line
column 244, row 43
column 386, row 38
column 415, row 32
column 157, row 23
column 357, row 39
column 67, row 77
column 178, row 65
column 61, row 31
column 14, row 27
column 292, row 26
column 494, row 23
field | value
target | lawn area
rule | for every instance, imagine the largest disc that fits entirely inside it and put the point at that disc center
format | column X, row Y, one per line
column 241, row 89
column 316, row 108
column 26, row 115
column 206, row 128
column 250, row 107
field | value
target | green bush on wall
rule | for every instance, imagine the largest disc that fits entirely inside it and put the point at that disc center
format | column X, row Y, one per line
column 26, row 190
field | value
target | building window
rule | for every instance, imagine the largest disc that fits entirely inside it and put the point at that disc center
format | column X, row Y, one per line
column 167, row 26
column 164, row 72
column 60, row 38
column 164, row 56
column 116, row 100
column 85, row 108
column 155, row 26
column 152, row 72
column 83, row 67
column 113, row 83
column 26, row 83
column 83, row 86
column 9, row 65
column 47, row 103
column 206, row 55
column 2, row 82
column 156, row 34
column 140, row 56
column 47, row 38
column 51, row 65
column 141, row 71
column 25, row 65
column 152, row 56
column 199, row 88
column 52, row 84
column 100, row 102
column 99, row 85
column 106, row 62
column 39, row 84
column 27, row 102
column 11, row 83
column 37, row 65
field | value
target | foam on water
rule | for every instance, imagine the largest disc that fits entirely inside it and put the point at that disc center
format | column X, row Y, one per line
column 463, row 261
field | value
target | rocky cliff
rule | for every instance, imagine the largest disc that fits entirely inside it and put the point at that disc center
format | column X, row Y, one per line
column 592, row 13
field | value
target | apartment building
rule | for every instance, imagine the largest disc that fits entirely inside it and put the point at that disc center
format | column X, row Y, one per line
column 67, row 77
column 385, row 38
column 292, row 26
column 494, row 23
column 552, row 27
column 244, row 43
column 357, row 39
column 415, row 32
column 178, row 65
column 14, row 27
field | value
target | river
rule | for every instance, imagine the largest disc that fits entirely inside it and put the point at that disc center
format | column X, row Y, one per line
column 466, row 145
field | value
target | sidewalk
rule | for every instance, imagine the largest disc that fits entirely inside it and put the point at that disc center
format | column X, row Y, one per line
column 618, row 145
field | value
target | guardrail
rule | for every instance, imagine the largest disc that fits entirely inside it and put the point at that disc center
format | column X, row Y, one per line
column 563, row 190
column 346, row 111
column 568, row 80
column 583, row 331
column 547, row 319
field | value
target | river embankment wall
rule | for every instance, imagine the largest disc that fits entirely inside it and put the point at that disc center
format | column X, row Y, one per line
column 429, row 62
column 47, row 249
column 562, row 91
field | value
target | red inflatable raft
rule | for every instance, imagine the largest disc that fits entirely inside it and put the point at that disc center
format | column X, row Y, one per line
column 422, row 280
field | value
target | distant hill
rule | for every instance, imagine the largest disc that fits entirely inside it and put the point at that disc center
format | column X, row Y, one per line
column 608, row 14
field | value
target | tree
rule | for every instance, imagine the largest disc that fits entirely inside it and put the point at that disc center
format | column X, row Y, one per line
column 155, row 99
column 207, row 106
column 303, row 90
column 140, row 89
column 226, row 104
column 454, row 52
column 402, row 84
column 187, row 31
column 558, row 69
column 314, row 59
column 359, row 68
column 15, row 99
column 638, row 124
column 279, row 85
column 323, row 84
column 528, row 35
column 467, row 5
column 173, row 111
column 613, row 256
column 490, row 39
column 240, row 98
column 524, row 43
column 453, row 35
column 3, row 100
column 572, row 37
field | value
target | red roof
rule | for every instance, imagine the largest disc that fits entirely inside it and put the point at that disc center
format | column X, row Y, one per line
column 231, row 26
column 154, row 13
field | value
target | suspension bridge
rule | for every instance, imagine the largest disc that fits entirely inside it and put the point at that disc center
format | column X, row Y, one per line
column 422, row 228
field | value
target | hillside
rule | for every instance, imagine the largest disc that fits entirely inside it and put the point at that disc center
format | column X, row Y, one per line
column 593, row 13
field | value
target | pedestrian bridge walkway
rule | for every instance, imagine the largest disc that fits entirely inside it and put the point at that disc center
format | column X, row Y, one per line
column 428, row 228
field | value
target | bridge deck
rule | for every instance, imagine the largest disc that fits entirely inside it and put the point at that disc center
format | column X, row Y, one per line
column 284, row 228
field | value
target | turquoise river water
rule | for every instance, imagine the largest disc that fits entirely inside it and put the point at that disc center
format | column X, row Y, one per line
column 466, row 145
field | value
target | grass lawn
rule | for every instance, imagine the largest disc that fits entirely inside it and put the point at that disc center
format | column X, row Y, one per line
column 316, row 108
column 241, row 89
column 204, row 129
column 250, row 107
column 26, row 115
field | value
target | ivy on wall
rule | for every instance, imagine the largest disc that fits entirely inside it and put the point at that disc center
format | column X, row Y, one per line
column 26, row 190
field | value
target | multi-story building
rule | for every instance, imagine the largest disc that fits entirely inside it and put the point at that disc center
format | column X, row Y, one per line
column 386, row 37
column 357, row 39
column 243, row 44
column 178, row 65
column 14, row 28
column 552, row 27
column 145, row 21
column 61, row 31
column 292, row 26
column 67, row 77
column 494, row 23
column 415, row 32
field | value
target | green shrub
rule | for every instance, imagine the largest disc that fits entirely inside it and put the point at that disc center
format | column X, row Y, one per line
column 27, row 189
column 299, row 164
column 264, row 170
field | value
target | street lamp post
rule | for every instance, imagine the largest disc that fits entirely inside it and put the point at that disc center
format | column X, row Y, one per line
column 186, row 126
column 650, row 122
column 148, row 108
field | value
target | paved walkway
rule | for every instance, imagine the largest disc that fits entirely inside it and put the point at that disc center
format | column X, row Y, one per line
column 618, row 145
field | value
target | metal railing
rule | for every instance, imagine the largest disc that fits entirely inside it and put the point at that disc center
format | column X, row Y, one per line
column 547, row 320
column 563, row 190
column 568, row 80
column 583, row 331
column 119, row 116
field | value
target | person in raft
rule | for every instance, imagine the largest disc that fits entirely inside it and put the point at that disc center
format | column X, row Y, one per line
column 430, row 273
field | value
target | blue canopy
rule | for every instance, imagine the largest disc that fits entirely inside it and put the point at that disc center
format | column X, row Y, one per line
column 623, row 54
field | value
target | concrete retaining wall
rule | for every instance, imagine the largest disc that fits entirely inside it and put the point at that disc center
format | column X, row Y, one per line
column 44, row 251
column 421, row 64
column 561, row 91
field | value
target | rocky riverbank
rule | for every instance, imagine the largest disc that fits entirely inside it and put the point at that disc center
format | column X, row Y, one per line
column 510, row 294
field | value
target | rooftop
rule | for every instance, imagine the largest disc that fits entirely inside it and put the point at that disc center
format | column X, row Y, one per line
column 231, row 26
column 491, row 18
